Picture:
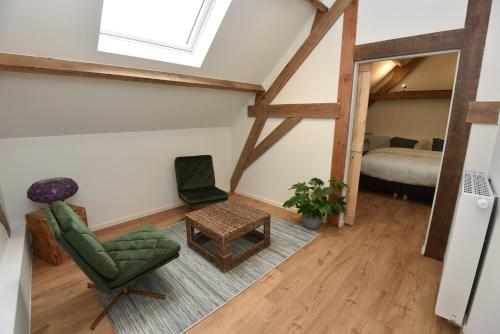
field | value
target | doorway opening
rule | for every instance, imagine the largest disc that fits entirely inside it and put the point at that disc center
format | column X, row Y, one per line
column 399, row 127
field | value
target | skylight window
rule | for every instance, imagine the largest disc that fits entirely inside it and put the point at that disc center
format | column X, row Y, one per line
column 176, row 31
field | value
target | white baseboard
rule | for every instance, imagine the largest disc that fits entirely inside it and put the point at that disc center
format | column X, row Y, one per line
column 122, row 220
column 265, row 200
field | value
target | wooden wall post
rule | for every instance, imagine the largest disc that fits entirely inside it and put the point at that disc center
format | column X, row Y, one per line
column 344, row 97
column 358, row 138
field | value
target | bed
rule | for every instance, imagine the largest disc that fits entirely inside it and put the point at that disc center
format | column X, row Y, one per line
column 403, row 171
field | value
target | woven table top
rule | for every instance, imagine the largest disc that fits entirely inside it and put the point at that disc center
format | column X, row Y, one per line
column 226, row 219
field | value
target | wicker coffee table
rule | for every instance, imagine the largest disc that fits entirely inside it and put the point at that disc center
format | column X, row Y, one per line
column 223, row 223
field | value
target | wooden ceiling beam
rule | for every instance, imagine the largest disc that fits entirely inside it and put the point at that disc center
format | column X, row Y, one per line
column 308, row 110
column 398, row 62
column 21, row 63
column 413, row 95
column 398, row 74
column 319, row 5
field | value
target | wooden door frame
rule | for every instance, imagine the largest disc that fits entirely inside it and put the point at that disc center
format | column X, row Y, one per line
column 469, row 42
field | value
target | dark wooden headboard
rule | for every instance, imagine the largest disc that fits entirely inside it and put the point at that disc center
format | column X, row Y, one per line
column 3, row 220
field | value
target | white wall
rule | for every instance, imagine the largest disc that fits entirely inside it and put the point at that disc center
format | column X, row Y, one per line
column 418, row 119
column 483, row 316
column 387, row 19
column 33, row 105
column 121, row 175
column 305, row 152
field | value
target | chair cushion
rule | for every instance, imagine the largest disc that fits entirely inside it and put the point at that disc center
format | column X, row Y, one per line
column 202, row 195
column 83, row 240
column 194, row 172
column 140, row 251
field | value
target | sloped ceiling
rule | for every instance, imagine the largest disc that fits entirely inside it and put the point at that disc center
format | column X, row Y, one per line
column 251, row 39
column 434, row 73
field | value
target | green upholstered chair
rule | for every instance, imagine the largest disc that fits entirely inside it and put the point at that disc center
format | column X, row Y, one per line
column 112, row 266
column 196, row 180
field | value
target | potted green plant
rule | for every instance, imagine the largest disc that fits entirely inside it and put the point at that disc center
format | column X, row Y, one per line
column 312, row 200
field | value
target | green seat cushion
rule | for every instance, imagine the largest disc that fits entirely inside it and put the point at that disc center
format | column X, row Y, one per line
column 83, row 240
column 202, row 195
column 140, row 251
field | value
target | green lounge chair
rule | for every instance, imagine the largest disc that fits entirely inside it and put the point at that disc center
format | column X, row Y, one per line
column 196, row 181
column 112, row 266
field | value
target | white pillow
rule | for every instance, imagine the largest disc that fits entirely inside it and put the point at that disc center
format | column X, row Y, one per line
column 374, row 141
column 424, row 144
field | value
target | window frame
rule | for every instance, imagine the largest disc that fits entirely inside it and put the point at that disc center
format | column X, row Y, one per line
column 203, row 33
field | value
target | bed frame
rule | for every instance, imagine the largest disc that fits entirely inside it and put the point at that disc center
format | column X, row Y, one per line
column 421, row 193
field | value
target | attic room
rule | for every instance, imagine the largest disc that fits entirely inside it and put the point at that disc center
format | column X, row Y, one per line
column 203, row 166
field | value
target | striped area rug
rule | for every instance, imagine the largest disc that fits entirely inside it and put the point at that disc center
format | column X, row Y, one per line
column 194, row 287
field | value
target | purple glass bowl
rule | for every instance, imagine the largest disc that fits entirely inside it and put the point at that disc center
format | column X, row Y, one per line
column 52, row 190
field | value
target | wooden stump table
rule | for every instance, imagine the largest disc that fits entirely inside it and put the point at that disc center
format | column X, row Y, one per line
column 223, row 223
column 44, row 246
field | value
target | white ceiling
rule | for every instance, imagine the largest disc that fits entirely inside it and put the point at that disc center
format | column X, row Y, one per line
column 252, row 38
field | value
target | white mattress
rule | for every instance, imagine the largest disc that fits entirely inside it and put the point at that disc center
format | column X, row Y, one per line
column 403, row 165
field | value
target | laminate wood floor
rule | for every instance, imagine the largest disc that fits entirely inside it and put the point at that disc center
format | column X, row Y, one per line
column 369, row 278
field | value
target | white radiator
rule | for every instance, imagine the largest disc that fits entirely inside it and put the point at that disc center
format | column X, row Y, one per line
column 465, row 244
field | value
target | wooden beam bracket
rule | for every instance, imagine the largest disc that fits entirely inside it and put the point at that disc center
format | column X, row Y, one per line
column 412, row 95
column 483, row 112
